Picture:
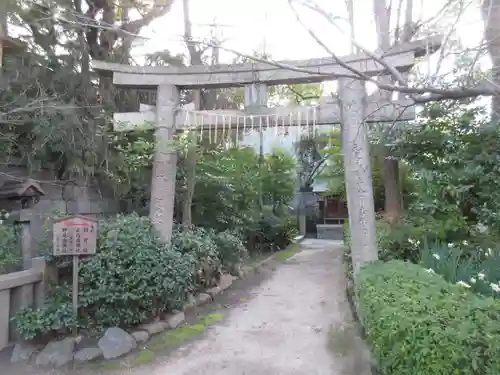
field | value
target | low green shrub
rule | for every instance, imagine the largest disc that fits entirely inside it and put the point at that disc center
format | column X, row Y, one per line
column 55, row 317
column 397, row 242
column 231, row 250
column 131, row 278
column 270, row 233
column 417, row 323
column 134, row 277
column 200, row 244
column 402, row 241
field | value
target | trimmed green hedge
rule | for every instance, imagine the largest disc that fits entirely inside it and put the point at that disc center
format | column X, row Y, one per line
column 417, row 323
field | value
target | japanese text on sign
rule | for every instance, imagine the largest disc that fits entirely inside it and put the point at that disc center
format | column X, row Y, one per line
column 75, row 235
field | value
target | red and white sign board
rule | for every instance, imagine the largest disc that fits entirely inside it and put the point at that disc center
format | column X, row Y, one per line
column 75, row 235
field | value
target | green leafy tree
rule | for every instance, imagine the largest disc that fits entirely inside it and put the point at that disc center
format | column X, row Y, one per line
column 453, row 163
column 333, row 172
column 279, row 179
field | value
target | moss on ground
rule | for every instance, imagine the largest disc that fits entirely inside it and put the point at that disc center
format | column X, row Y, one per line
column 174, row 338
column 144, row 356
column 103, row 365
column 288, row 253
column 211, row 319
column 157, row 343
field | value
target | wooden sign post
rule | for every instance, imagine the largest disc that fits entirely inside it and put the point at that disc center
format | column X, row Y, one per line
column 75, row 235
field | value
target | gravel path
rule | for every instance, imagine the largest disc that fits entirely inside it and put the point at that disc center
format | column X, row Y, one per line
column 295, row 321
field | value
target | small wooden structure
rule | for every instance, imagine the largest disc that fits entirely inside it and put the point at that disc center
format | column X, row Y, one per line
column 18, row 197
column 8, row 45
column 331, row 212
column 20, row 194
column 333, row 209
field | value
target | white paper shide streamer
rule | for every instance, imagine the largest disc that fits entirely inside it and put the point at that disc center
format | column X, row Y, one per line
column 216, row 125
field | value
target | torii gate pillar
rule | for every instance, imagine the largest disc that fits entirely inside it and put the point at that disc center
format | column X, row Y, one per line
column 161, row 211
column 358, row 172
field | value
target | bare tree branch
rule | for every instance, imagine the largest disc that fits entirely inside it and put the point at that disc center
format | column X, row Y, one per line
column 419, row 94
column 194, row 54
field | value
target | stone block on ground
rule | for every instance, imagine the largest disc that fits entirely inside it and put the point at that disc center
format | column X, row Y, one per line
column 239, row 272
column 226, row 281
column 116, row 342
column 22, row 352
column 56, row 353
column 176, row 320
column 140, row 336
column 214, row 291
column 203, row 299
column 88, row 354
column 191, row 303
column 244, row 272
column 154, row 327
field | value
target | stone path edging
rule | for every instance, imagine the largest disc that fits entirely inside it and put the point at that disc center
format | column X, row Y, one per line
column 354, row 306
column 117, row 342
column 270, row 258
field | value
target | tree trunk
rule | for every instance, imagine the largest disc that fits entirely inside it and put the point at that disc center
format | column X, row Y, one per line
column 350, row 13
column 191, row 157
column 392, row 187
column 3, row 30
column 490, row 10
column 261, row 166
column 191, row 154
column 393, row 206
column 187, row 202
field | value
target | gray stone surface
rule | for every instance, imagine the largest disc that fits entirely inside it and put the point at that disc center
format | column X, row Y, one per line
column 140, row 336
column 226, row 281
column 154, row 327
column 116, row 342
column 22, row 352
column 56, row 353
column 330, row 232
column 298, row 322
column 190, row 303
column 176, row 320
column 236, row 75
column 358, row 172
column 202, row 299
column 214, row 291
column 88, row 354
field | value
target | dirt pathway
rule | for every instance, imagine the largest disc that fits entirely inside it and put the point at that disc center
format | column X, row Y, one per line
column 296, row 321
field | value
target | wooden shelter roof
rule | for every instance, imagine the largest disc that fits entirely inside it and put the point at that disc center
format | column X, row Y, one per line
column 20, row 188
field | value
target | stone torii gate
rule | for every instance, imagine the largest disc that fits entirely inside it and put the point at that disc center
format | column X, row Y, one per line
column 353, row 110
